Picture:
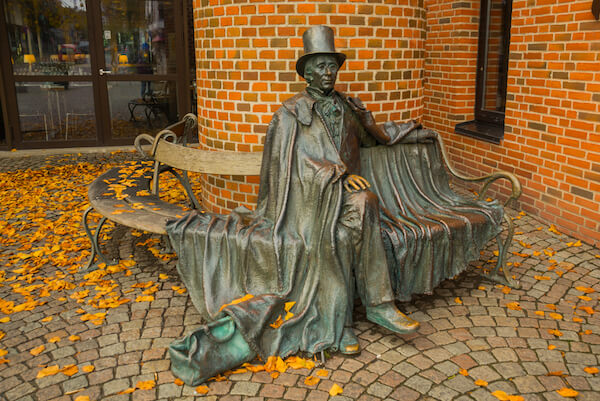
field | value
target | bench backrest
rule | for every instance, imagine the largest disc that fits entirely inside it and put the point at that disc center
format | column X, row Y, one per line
column 206, row 161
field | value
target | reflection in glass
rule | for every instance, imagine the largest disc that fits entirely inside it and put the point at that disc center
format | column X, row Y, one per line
column 52, row 111
column 139, row 36
column 132, row 114
column 48, row 37
column 496, row 60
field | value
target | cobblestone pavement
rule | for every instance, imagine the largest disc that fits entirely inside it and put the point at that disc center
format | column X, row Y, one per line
column 530, row 342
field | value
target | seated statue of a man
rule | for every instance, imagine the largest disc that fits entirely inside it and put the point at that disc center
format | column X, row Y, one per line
column 292, row 266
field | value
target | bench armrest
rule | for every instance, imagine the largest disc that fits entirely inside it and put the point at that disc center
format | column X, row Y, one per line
column 486, row 179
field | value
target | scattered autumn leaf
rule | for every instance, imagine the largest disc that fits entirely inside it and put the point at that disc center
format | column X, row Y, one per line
column 37, row 350
column 551, row 347
column 88, row 368
column 464, row 372
column 5, row 319
column 591, row 370
column 540, row 313
column 335, row 390
column 82, row 398
column 587, row 309
column 74, row 337
column 513, row 306
column 555, row 332
column 70, row 370
column 587, row 290
column 502, row 396
column 48, row 371
column 481, row 383
column 584, row 298
column 146, row 385
column 541, row 278
column 127, row 391
column 54, row 339
column 144, row 298
column 47, row 319
column 277, row 323
column 311, row 380
column 237, row 301
column 178, row 381
column 555, row 316
column 163, row 276
column 202, row 390
column 567, row 392
column 458, row 300
column 556, row 373
column 322, row 373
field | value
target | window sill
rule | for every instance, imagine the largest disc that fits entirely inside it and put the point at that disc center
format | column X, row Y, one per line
column 481, row 130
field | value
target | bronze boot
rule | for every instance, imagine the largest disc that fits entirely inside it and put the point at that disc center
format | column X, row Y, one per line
column 349, row 343
column 388, row 316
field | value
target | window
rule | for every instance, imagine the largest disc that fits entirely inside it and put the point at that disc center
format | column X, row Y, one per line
column 492, row 71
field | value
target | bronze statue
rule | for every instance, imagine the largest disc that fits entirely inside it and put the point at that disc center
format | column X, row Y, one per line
column 292, row 266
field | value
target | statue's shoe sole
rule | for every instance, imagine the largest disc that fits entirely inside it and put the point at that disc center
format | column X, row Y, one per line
column 396, row 328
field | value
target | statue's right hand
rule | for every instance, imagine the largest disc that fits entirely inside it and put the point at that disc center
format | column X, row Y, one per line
column 355, row 182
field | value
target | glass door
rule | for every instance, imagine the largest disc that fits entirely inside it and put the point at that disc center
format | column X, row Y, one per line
column 141, row 45
column 49, row 48
column 95, row 72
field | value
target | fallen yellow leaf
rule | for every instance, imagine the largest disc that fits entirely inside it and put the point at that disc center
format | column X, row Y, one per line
column 555, row 316
column 178, row 381
column 322, row 373
column 458, row 300
column 584, row 297
column 587, row 309
column 70, row 370
column 237, row 301
column 54, row 339
column 146, row 385
column 37, row 350
column 506, row 289
column 5, row 319
column 3, row 352
column 463, row 372
column 311, row 380
column 513, row 306
column 481, row 288
column 591, row 370
column 48, row 371
column 551, row 347
column 481, row 383
column 539, row 313
column 127, row 391
column 567, row 392
column 202, row 390
column 82, row 398
column 335, row 390
column 587, row 290
column 163, row 276
column 47, row 319
column 555, row 332
column 277, row 322
column 289, row 305
column 502, row 396
column 144, row 298
column 74, row 337
column 541, row 278
column 556, row 373
column 88, row 368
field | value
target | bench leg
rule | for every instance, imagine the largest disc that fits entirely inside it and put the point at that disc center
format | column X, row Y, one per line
column 94, row 240
column 504, row 277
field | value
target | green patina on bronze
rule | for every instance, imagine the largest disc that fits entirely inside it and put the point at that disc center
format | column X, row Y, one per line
column 346, row 209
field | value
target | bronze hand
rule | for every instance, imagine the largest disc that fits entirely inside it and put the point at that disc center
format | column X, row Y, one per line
column 356, row 183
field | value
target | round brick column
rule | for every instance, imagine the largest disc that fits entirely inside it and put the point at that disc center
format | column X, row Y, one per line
column 246, row 54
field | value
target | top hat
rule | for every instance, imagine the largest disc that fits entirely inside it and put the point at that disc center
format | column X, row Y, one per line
column 318, row 40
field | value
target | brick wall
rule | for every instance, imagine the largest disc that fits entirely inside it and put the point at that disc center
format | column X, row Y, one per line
column 246, row 54
column 416, row 59
column 552, row 133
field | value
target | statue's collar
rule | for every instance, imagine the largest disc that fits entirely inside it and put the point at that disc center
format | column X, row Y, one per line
column 301, row 106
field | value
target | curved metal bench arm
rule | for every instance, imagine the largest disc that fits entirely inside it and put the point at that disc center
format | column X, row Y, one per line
column 500, row 273
column 486, row 179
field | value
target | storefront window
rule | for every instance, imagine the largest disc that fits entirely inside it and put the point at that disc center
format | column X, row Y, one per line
column 48, row 37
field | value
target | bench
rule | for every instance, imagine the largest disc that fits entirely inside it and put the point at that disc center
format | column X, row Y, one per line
column 129, row 196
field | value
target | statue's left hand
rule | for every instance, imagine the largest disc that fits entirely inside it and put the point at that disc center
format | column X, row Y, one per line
column 355, row 182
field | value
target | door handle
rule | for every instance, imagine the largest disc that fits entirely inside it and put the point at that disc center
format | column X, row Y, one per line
column 103, row 72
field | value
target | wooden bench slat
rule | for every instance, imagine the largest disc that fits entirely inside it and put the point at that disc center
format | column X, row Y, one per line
column 205, row 161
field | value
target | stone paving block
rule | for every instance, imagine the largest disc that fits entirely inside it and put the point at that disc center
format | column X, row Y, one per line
column 115, row 386
column 442, row 393
column 379, row 390
column 404, row 393
column 419, row 384
column 294, row 393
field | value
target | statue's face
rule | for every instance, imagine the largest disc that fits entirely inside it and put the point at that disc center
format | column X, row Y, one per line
column 322, row 72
